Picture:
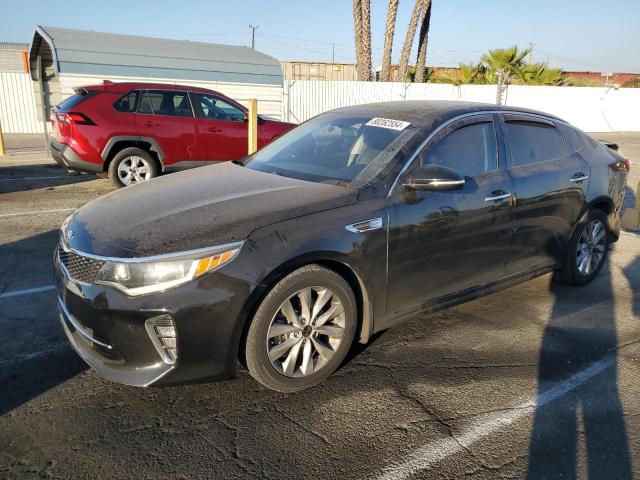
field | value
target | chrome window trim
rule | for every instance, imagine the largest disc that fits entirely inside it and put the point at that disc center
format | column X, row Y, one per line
column 461, row 117
column 187, row 254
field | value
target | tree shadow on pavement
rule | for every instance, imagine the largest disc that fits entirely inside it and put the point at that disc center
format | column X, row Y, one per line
column 580, row 333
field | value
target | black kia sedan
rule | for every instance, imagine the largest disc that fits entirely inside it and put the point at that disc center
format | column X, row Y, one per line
column 352, row 222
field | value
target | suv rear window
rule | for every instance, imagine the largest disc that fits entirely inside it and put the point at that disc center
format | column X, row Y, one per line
column 533, row 142
column 165, row 102
column 80, row 95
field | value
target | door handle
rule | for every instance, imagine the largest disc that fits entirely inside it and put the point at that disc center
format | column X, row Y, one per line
column 214, row 130
column 150, row 124
column 495, row 198
column 579, row 177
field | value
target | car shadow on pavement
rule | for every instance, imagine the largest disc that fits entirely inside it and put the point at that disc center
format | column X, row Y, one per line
column 36, row 355
column 22, row 178
column 592, row 412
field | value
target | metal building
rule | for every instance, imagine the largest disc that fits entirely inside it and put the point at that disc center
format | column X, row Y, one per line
column 62, row 59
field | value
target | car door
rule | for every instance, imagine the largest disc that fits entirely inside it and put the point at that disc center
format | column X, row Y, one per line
column 223, row 127
column 550, row 183
column 445, row 242
column 167, row 117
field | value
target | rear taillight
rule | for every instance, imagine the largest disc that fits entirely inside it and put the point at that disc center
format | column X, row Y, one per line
column 621, row 166
column 75, row 118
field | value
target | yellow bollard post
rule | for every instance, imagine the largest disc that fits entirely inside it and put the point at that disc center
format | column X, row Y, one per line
column 253, row 126
column 1, row 141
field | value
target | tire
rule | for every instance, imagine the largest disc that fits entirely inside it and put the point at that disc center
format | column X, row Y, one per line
column 141, row 165
column 300, row 356
column 574, row 271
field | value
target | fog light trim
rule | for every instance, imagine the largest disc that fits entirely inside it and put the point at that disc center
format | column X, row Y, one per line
column 162, row 332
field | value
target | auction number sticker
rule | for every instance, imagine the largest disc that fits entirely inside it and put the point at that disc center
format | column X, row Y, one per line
column 388, row 123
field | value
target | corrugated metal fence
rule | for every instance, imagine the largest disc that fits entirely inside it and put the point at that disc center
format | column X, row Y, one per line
column 17, row 104
column 592, row 109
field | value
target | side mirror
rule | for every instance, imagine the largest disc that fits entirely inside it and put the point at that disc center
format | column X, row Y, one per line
column 434, row 178
column 245, row 118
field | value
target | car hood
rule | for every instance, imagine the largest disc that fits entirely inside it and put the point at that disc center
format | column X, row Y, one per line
column 194, row 209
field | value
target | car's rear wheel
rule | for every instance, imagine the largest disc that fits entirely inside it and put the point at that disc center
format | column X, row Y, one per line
column 132, row 165
column 302, row 330
column 587, row 250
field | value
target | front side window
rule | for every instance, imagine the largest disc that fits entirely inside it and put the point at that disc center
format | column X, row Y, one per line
column 164, row 102
column 127, row 103
column 533, row 142
column 215, row 108
column 470, row 150
column 335, row 148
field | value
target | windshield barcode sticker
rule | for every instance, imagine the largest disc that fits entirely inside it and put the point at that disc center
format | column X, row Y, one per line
column 388, row 123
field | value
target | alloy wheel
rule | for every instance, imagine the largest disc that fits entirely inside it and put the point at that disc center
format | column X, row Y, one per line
column 134, row 169
column 591, row 247
column 306, row 331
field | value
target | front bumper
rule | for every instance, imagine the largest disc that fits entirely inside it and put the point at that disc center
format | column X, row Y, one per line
column 108, row 328
column 66, row 157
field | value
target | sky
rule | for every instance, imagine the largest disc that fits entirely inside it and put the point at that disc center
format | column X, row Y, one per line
column 570, row 34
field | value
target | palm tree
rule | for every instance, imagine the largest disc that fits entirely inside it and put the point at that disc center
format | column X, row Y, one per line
column 467, row 74
column 502, row 64
column 408, row 41
column 423, row 39
column 541, row 74
column 362, row 31
column 392, row 11
column 366, row 40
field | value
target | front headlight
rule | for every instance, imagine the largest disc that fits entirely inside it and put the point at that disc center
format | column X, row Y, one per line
column 140, row 277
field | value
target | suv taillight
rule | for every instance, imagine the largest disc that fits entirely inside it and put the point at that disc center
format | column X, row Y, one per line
column 627, row 164
column 74, row 118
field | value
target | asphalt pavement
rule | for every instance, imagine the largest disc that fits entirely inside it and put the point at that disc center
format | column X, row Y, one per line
column 541, row 380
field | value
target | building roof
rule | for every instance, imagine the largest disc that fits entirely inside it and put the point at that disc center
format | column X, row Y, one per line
column 14, row 46
column 96, row 53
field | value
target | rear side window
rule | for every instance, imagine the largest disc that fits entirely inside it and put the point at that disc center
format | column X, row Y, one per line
column 572, row 139
column 533, row 142
column 127, row 103
column 470, row 150
column 164, row 102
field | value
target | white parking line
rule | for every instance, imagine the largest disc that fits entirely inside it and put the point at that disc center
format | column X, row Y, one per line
column 36, row 212
column 429, row 454
column 31, row 178
column 27, row 291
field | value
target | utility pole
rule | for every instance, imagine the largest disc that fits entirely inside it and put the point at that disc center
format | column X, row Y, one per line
column 253, row 36
column 531, row 45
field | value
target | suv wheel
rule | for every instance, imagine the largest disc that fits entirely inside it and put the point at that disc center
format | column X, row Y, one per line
column 302, row 330
column 587, row 250
column 132, row 165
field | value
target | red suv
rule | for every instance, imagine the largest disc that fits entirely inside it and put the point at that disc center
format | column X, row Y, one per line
column 135, row 131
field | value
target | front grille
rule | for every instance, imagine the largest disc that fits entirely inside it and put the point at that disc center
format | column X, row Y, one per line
column 80, row 268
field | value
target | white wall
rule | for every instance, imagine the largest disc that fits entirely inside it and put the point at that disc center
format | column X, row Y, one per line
column 591, row 109
column 17, row 104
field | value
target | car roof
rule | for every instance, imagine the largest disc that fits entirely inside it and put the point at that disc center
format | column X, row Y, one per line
column 430, row 112
column 126, row 86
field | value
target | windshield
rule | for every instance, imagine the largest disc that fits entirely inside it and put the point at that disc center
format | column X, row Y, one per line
column 332, row 148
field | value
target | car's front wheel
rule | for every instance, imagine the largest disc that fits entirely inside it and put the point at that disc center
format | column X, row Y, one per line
column 132, row 165
column 587, row 249
column 302, row 330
